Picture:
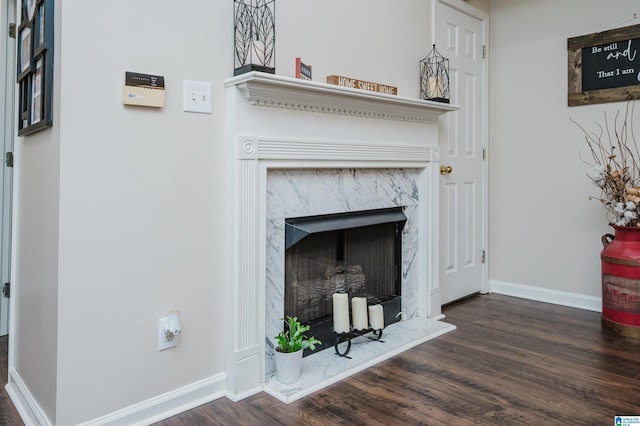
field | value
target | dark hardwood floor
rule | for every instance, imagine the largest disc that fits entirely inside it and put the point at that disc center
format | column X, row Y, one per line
column 510, row 362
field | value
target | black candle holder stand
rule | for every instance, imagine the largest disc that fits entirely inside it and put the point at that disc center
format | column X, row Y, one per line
column 352, row 334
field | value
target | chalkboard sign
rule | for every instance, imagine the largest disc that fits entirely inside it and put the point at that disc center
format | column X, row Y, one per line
column 604, row 67
column 611, row 65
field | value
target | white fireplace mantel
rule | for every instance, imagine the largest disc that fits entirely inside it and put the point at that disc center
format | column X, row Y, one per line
column 280, row 123
column 291, row 93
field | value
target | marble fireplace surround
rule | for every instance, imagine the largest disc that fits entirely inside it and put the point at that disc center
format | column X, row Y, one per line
column 303, row 148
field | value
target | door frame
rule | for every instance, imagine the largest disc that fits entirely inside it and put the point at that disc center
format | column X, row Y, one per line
column 464, row 8
column 8, row 109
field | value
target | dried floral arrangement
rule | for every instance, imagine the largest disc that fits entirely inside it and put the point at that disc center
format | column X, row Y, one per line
column 616, row 167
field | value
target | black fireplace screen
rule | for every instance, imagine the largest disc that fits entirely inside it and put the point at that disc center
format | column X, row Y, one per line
column 356, row 253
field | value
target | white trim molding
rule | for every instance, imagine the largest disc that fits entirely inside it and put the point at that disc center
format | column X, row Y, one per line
column 166, row 405
column 291, row 93
column 541, row 294
column 26, row 405
column 262, row 148
column 146, row 412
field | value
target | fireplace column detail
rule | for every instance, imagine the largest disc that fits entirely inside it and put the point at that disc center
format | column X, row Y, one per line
column 246, row 295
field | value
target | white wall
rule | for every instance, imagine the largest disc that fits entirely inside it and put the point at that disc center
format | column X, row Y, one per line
column 483, row 5
column 544, row 232
column 34, row 340
column 121, row 212
column 374, row 40
column 34, row 295
column 142, row 219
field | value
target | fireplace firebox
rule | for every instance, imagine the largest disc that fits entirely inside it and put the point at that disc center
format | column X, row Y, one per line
column 359, row 253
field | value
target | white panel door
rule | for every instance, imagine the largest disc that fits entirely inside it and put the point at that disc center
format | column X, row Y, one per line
column 463, row 192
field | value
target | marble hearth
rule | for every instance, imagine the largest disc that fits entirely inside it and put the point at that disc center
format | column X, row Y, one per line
column 303, row 148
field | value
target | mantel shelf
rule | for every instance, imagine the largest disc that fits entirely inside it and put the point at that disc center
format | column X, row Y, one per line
column 284, row 92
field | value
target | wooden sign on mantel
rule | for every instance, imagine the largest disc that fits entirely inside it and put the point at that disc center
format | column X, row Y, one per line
column 361, row 84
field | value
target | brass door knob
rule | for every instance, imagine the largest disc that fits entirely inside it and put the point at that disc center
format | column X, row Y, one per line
column 445, row 170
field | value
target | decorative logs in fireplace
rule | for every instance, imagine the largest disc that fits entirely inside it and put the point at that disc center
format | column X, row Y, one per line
column 311, row 296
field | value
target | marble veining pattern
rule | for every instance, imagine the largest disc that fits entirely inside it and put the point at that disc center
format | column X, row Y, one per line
column 306, row 192
column 325, row 368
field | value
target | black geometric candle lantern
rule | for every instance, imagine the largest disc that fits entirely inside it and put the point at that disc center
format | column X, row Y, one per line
column 255, row 36
column 434, row 77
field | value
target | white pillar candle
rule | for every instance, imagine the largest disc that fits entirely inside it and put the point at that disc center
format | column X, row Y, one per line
column 359, row 313
column 341, row 312
column 376, row 317
column 436, row 87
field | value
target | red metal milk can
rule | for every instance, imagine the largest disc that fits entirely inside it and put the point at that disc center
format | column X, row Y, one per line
column 621, row 281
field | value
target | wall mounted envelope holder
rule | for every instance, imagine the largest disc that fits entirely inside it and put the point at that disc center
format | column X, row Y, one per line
column 35, row 66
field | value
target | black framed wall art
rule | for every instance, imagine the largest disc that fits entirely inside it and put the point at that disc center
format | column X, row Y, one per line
column 35, row 66
column 604, row 67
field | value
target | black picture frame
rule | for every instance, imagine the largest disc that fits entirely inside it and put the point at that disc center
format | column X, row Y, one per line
column 38, row 29
column 37, row 92
column 35, row 66
column 24, row 50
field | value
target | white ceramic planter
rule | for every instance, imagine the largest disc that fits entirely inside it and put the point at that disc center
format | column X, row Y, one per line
column 288, row 366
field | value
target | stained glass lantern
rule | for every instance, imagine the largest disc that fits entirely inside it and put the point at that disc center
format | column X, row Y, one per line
column 255, row 36
column 434, row 77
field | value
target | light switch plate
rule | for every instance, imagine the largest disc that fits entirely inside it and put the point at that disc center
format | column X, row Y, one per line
column 197, row 97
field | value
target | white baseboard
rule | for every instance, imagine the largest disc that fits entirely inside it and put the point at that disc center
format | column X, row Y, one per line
column 143, row 413
column 166, row 405
column 235, row 397
column 540, row 294
column 25, row 403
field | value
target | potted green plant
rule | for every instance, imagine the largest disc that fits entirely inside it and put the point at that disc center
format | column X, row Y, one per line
column 288, row 354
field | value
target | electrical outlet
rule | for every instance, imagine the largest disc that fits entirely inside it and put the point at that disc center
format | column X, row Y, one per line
column 196, row 97
column 163, row 342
